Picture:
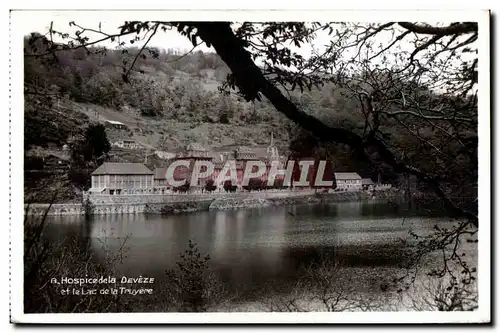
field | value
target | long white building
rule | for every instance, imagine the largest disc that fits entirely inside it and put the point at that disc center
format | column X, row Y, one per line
column 122, row 178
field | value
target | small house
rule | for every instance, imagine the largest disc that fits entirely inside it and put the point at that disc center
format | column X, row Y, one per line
column 127, row 144
column 349, row 181
column 114, row 124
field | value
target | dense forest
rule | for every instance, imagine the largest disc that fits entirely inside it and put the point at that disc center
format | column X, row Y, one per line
column 168, row 86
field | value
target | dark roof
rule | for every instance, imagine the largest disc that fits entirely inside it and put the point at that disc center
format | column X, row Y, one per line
column 160, row 173
column 122, row 169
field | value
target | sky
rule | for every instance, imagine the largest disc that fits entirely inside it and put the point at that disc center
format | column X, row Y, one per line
column 109, row 21
column 40, row 22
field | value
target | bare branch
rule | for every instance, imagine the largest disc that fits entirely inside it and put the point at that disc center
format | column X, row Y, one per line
column 140, row 51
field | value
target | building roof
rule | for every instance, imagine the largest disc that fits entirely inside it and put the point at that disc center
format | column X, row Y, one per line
column 125, row 141
column 96, row 190
column 160, row 173
column 122, row 169
column 195, row 146
column 245, row 153
column 164, row 154
column 115, row 122
column 193, row 150
column 366, row 181
column 346, row 175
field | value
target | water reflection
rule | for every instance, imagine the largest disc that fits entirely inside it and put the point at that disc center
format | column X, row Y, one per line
column 254, row 247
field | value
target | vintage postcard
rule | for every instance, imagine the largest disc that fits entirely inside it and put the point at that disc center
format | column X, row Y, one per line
column 250, row 166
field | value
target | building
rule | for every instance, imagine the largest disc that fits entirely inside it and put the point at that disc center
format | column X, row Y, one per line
column 127, row 144
column 122, row 178
column 160, row 178
column 165, row 155
column 349, row 181
column 114, row 124
column 243, row 155
column 367, row 183
column 312, row 173
column 193, row 152
column 239, row 154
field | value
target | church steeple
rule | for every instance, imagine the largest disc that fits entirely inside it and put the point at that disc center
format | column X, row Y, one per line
column 272, row 150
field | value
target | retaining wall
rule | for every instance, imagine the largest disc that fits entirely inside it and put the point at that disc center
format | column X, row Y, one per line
column 55, row 209
column 175, row 203
column 154, row 203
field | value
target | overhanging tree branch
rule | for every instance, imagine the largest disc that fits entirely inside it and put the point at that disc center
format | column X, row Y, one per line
column 452, row 29
column 125, row 75
column 250, row 80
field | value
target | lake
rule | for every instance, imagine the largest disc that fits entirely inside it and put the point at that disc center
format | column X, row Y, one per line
column 261, row 252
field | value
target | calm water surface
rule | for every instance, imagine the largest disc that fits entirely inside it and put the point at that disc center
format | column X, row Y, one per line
column 263, row 249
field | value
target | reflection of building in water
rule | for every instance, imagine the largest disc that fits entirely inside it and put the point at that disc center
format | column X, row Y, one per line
column 249, row 236
column 351, row 209
column 241, row 218
column 147, row 243
column 220, row 242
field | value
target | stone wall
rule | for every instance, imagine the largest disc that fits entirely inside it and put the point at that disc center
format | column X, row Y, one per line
column 55, row 209
column 103, row 199
column 176, row 203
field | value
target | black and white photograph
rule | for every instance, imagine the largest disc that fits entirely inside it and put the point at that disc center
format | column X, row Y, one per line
column 250, row 166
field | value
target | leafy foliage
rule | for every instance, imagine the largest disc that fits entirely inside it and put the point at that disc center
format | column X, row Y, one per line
column 209, row 185
column 229, row 187
column 191, row 283
column 88, row 150
column 182, row 188
column 255, row 184
column 91, row 146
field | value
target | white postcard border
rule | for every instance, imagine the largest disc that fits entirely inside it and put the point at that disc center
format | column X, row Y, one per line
column 483, row 314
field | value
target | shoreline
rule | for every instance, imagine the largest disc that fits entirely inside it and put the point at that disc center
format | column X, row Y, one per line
column 185, row 203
